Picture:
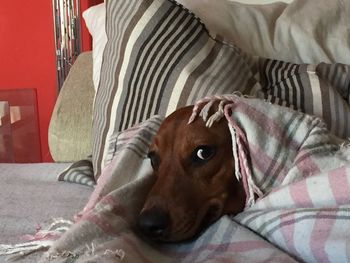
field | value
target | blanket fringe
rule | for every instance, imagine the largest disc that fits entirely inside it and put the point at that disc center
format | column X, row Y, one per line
column 17, row 251
column 345, row 144
column 40, row 241
column 242, row 171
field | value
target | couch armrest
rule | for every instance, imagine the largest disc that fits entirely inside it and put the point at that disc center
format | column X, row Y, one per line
column 70, row 125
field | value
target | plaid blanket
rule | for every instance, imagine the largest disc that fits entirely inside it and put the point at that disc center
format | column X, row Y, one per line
column 295, row 178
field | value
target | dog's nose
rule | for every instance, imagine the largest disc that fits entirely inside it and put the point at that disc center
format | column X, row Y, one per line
column 154, row 222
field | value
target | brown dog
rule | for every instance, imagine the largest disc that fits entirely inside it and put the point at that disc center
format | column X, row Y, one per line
column 195, row 182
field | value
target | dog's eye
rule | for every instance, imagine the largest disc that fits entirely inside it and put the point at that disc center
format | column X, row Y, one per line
column 203, row 153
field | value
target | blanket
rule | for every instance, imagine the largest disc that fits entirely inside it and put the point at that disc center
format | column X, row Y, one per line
column 295, row 177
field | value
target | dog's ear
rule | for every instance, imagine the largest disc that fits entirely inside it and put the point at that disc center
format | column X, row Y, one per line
column 236, row 197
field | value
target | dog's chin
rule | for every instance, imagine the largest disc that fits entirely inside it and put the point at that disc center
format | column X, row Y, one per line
column 175, row 237
column 213, row 213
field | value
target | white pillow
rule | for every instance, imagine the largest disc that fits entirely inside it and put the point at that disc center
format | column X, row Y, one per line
column 299, row 32
column 94, row 18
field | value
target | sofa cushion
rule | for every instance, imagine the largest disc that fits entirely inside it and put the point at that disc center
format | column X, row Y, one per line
column 70, row 125
column 159, row 56
column 94, row 18
column 277, row 31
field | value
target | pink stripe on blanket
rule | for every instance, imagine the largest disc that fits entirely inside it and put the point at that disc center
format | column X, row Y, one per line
column 101, row 186
column 216, row 258
column 306, row 164
column 268, row 124
column 300, row 194
column 274, row 257
column 339, row 185
column 319, row 236
column 240, row 246
column 109, row 210
column 110, row 203
column 106, row 200
column 287, row 230
column 263, row 162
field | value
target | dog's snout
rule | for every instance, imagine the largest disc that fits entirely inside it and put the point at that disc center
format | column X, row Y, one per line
column 154, row 222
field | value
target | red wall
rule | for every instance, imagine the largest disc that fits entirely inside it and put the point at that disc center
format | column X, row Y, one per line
column 27, row 55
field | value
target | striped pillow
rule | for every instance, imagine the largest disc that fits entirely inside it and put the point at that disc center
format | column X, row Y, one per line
column 80, row 172
column 160, row 57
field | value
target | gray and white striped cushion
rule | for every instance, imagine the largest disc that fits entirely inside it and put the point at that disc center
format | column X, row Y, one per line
column 321, row 90
column 160, row 57
column 80, row 172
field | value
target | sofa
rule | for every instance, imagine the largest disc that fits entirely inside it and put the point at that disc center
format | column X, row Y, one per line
column 161, row 55
column 31, row 196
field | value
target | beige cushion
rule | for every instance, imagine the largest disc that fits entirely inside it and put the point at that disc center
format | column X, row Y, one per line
column 70, row 126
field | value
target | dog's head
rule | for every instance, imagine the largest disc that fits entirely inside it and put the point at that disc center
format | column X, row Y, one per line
column 195, row 182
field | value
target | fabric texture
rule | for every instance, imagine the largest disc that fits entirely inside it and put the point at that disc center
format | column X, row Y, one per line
column 31, row 197
column 95, row 18
column 303, row 210
column 71, row 120
column 80, row 172
column 160, row 57
column 300, row 32
column 259, row 29
column 272, row 145
column 151, row 63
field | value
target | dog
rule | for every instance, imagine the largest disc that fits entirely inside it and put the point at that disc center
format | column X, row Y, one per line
column 195, row 183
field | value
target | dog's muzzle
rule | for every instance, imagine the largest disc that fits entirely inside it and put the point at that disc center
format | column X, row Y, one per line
column 154, row 223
